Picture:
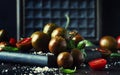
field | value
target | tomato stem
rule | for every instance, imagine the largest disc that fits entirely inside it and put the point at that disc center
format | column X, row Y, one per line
column 68, row 21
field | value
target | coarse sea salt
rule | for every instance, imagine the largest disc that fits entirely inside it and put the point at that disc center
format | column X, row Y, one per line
column 16, row 69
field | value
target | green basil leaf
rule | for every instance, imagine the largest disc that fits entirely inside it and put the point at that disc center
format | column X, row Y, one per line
column 88, row 43
column 81, row 45
column 115, row 55
column 71, row 44
column 10, row 48
column 67, row 71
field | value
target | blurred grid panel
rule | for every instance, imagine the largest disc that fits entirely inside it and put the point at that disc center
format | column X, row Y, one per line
column 82, row 15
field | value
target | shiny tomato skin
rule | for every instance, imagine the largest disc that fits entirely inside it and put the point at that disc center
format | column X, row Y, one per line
column 65, row 60
column 57, row 45
column 108, row 42
column 118, row 42
column 98, row 64
column 77, row 38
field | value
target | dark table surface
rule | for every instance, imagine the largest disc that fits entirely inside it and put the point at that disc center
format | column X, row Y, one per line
column 23, row 69
column 12, row 68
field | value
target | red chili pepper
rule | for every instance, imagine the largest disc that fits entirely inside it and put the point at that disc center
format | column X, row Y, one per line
column 105, row 53
column 12, row 41
column 25, row 40
column 98, row 64
column 24, row 44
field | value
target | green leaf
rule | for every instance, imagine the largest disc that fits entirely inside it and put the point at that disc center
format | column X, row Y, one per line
column 10, row 48
column 88, row 43
column 81, row 45
column 67, row 71
column 115, row 55
column 71, row 44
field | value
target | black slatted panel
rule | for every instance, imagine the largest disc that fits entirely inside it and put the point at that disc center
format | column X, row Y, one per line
column 82, row 15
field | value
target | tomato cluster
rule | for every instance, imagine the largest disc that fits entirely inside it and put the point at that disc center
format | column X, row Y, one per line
column 68, row 46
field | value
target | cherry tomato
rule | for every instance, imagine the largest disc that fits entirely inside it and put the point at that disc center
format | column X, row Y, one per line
column 108, row 42
column 118, row 42
column 98, row 64
column 12, row 41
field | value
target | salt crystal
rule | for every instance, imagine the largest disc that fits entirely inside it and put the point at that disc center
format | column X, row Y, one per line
column 6, row 70
column 30, row 74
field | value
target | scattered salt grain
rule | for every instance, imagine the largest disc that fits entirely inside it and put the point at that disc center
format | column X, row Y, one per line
column 2, row 63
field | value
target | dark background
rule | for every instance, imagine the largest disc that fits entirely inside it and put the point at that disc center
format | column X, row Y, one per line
column 8, row 16
column 110, row 17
